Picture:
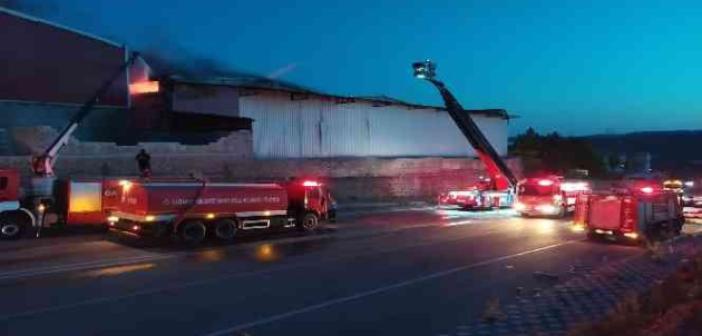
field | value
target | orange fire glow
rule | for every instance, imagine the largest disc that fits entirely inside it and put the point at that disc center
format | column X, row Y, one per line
column 143, row 87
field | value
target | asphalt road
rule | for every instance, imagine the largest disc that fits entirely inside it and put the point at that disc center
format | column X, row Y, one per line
column 420, row 272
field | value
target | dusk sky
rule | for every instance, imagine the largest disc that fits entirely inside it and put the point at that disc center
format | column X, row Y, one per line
column 576, row 67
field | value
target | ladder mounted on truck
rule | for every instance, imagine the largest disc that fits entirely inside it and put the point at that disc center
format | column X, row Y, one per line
column 501, row 176
column 43, row 164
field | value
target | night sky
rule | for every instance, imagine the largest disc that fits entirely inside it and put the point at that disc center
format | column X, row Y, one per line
column 576, row 67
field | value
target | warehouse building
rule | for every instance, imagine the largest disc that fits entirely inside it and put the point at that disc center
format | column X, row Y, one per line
column 224, row 124
column 49, row 70
column 294, row 122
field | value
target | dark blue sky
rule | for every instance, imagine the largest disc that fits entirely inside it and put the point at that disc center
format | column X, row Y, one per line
column 576, row 67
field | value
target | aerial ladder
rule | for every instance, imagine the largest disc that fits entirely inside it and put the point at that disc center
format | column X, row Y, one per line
column 25, row 210
column 43, row 164
column 498, row 191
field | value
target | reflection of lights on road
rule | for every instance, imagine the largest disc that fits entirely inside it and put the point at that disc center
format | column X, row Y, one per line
column 545, row 227
column 211, row 255
column 266, row 253
column 117, row 270
column 458, row 223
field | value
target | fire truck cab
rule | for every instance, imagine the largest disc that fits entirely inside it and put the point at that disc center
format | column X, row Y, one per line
column 551, row 196
column 15, row 218
column 75, row 202
column 640, row 211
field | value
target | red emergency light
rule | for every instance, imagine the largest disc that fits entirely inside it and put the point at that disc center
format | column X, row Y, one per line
column 143, row 87
column 545, row 182
column 647, row 190
column 310, row 183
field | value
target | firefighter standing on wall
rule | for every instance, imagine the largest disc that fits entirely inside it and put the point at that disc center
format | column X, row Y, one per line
column 144, row 161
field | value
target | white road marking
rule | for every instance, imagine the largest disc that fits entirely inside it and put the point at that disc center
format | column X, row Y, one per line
column 364, row 294
column 359, row 233
column 108, row 299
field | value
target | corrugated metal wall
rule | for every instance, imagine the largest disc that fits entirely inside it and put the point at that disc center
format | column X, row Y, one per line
column 314, row 127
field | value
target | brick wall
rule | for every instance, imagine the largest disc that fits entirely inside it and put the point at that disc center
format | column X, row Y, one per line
column 36, row 139
column 349, row 178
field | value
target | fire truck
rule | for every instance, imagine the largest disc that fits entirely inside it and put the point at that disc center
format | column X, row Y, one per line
column 28, row 204
column 642, row 211
column 495, row 191
column 193, row 210
column 551, row 196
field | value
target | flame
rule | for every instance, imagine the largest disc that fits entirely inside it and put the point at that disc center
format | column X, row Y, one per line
column 143, row 87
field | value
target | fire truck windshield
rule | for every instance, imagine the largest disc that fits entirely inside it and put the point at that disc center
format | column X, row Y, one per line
column 529, row 189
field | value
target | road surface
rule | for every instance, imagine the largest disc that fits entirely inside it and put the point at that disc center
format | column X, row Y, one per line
column 413, row 272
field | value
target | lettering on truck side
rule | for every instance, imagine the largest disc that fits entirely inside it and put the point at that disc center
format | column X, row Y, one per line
column 233, row 200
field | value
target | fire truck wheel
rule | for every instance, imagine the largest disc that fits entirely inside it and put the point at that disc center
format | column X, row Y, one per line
column 225, row 229
column 13, row 225
column 193, row 232
column 309, row 223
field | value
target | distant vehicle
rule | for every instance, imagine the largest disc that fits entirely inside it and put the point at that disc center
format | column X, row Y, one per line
column 550, row 196
column 193, row 210
column 692, row 194
column 675, row 186
column 640, row 211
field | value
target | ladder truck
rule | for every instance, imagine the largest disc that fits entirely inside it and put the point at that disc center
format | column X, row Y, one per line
column 45, row 200
column 495, row 192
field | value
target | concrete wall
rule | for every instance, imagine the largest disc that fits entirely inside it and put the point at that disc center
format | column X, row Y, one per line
column 350, row 179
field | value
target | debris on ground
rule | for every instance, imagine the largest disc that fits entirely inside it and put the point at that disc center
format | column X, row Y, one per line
column 493, row 312
column 546, row 276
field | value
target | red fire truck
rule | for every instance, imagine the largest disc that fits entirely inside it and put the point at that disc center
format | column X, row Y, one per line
column 43, row 199
column 548, row 196
column 74, row 202
column 495, row 191
column 192, row 210
column 639, row 211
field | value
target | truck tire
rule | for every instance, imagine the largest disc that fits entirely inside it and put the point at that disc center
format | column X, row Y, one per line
column 593, row 236
column 225, row 229
column 308, row 222
column 193, row 232
column 13, row 225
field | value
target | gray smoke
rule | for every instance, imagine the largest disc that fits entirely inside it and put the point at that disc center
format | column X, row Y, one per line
column 33, row 7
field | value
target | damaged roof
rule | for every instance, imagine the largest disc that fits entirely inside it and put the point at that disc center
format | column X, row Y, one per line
column 208, row 72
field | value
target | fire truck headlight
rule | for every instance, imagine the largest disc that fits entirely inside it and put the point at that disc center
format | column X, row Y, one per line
column 112, row 219
column 41, row 208
column 577, row 228
column 547, row 209
column 631, row 235
column 150, row 218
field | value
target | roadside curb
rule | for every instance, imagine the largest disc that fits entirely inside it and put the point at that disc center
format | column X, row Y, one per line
column 586, row 298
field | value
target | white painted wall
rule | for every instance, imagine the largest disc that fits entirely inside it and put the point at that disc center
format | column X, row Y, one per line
column 317, row 127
